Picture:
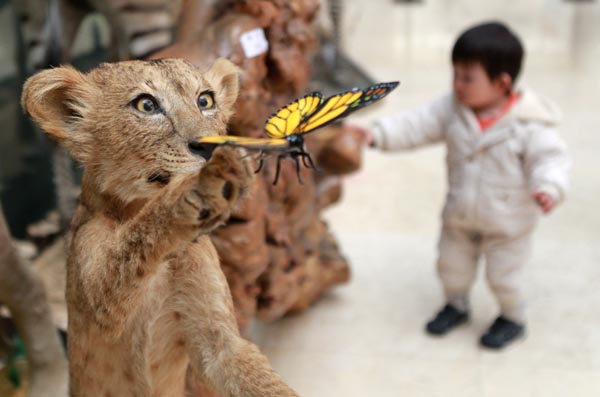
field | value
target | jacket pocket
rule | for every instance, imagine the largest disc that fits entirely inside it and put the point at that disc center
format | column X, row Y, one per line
column 510, row 210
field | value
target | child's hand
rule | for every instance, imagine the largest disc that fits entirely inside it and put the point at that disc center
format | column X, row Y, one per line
column 366, row 135
column 545, row 201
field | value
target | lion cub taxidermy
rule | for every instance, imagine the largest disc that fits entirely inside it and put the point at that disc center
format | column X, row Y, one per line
column 145, row 293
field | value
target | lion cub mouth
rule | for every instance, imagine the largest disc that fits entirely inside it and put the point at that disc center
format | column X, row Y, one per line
column 160, row 177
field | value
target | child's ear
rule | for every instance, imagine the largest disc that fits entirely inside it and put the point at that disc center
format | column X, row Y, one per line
column 224, row 76
column 505, row 82
column 58, row 99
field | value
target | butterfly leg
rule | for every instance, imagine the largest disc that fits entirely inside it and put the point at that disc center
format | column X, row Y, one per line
column 306, row 157
column 295, row 156
column 260, row 165
column 307, row 164
column 279, row 158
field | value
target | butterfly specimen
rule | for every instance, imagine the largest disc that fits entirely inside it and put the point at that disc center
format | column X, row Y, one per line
column 285, row 129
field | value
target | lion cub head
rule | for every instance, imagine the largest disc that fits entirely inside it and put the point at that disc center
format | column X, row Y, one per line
column 132, row 124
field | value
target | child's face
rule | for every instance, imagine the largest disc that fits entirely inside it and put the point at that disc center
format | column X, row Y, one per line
column 474, row 88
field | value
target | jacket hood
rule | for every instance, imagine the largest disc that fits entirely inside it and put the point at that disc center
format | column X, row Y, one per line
column 534, row 107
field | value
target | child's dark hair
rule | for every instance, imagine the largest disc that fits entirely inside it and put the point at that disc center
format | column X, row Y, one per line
column 497, row 48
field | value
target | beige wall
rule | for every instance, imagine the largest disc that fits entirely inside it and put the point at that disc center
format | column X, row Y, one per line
column 555, row 30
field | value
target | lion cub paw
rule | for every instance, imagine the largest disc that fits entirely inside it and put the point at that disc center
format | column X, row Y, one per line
column 217, row 189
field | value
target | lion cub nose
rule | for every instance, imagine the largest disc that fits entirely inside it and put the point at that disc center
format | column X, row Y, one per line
column 203, row 150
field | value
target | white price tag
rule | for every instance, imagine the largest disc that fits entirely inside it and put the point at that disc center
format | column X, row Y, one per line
column 254, row 42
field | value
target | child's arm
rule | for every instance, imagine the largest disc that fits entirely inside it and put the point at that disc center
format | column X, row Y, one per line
column 409, row 130
column 547, row 164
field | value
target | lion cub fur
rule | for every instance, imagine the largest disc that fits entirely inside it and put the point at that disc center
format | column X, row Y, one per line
column 145, row 293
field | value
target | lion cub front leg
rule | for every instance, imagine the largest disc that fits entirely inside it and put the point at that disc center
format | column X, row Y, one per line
column 216, row 191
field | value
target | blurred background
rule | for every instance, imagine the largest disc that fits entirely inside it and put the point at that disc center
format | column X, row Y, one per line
column 366, row 337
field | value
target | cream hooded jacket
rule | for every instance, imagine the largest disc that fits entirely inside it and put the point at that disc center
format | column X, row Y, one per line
column 492, row 175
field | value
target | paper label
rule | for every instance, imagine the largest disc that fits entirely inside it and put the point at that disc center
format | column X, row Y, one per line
column 254, row 42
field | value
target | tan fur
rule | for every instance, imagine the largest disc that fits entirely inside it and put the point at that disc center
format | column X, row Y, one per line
column 145, row 292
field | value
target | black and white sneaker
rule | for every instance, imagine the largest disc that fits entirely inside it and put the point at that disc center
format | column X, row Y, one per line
column 447, row 319
column 502, row 333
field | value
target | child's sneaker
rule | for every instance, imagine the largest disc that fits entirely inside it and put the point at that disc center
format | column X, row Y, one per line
column 447, row 319
column 502, row 332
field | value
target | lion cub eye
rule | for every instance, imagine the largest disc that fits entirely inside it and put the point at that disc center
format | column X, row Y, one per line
column 206, row 101
column 146, row 104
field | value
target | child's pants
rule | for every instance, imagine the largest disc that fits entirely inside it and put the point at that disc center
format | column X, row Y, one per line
column 505, row 256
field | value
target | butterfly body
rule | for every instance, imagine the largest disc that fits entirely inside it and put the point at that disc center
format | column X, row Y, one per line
column 295, row 140
column 285, row 129
column 295, row 149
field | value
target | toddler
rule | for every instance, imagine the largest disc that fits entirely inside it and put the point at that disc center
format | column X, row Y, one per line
column 506, row 165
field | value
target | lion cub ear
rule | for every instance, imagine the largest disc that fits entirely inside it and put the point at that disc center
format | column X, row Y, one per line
column 224, row 77
column 58, row 99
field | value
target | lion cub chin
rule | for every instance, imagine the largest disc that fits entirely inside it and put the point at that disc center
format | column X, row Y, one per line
column 145, row 293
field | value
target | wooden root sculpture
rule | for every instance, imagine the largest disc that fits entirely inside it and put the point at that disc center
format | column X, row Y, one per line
column 277, row 253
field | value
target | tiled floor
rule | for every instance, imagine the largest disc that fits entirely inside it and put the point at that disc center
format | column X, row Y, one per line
column 366, row 338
